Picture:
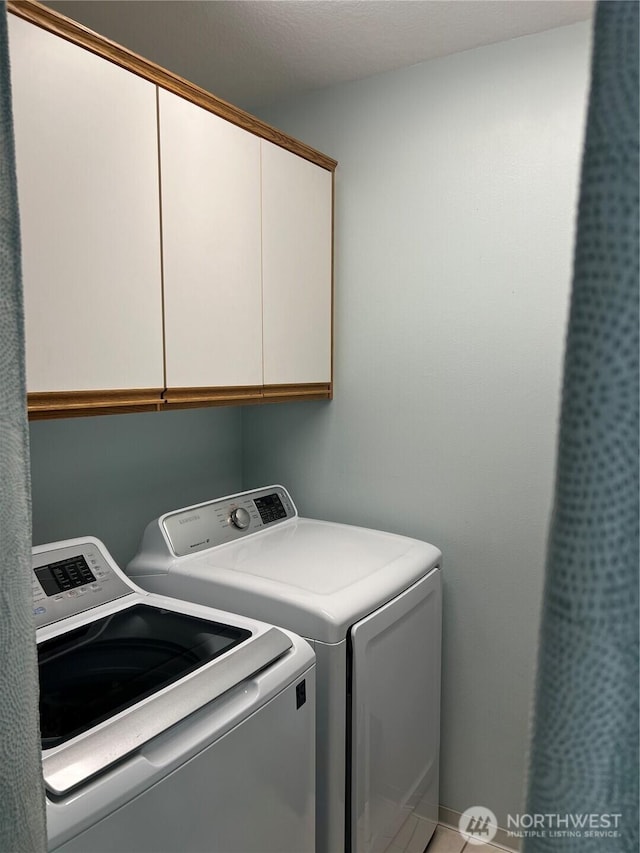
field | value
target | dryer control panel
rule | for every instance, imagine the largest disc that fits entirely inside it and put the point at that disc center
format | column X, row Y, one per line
column 226, row 519
column 71, row 579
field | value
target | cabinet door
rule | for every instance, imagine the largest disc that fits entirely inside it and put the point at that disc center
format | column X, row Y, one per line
column 210, row 180
column 87, row 165
column 296, row 268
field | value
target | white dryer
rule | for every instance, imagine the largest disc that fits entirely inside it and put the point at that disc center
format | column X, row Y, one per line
column 167, row 726
column 370, row 603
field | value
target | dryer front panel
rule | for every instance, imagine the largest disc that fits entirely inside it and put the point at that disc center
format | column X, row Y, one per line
column 395, row 707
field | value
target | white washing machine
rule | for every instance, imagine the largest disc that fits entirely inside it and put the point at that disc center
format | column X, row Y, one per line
column 167, row 726
column 370, row 603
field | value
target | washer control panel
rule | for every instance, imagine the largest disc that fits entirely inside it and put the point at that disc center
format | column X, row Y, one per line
column 226, row 519
column 68, row 580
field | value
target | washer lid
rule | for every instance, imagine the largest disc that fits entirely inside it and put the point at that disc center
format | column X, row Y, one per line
column 103, row 696
column 118, row 666
column 93, row 672
column 316, row 578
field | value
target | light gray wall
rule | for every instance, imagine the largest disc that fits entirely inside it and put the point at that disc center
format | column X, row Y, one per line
column 109, row 476
column 456, row 196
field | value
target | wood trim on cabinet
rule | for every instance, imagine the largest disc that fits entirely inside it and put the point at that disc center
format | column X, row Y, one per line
column 68, row 404
column 186, row 398
column 74, row 32
column 214, row 396
column 310, row 391
column 43, row 405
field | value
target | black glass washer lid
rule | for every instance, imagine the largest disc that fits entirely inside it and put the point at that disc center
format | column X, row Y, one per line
column 94, row 672
column 112, row 685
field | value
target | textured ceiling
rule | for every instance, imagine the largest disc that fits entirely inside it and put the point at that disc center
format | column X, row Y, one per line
column 251, row 53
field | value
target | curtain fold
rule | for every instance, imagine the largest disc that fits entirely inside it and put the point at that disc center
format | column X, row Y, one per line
column 22, row 811
column 584, row 758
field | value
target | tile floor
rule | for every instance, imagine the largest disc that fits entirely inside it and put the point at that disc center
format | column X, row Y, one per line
column 447, row 840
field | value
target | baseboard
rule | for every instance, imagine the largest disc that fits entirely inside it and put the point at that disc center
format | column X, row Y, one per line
column 451, row 818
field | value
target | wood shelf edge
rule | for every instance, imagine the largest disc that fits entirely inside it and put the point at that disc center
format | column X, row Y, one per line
column 68, row 404
column 183, row 398
column 309, row 391
column 212, row 396
column 73, row 404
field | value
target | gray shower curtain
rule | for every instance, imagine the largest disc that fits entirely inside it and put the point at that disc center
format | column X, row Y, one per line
column 22, row 819
column 584, row 762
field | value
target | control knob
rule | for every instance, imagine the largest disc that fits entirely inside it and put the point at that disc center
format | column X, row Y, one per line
column 240, row 518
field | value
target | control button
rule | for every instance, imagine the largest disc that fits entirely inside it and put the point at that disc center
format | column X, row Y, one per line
column 240, row 518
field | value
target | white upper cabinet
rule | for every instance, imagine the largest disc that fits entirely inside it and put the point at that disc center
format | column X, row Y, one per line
column 87, row 164
column 296, row 268
column 210, row 179
column 176, row 251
